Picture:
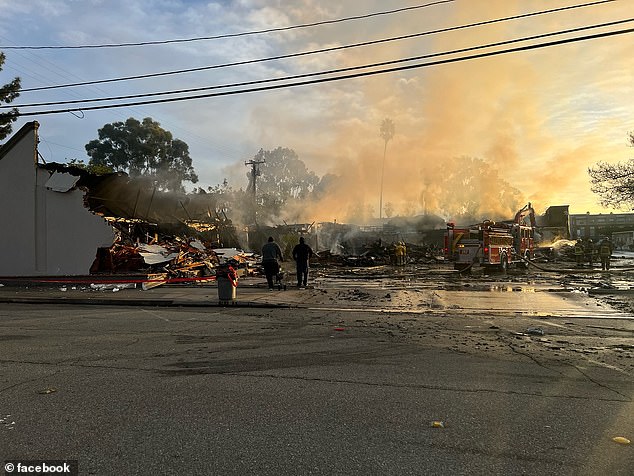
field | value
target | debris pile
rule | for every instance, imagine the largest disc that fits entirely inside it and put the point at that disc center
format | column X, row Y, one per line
column 177, row 257
column 169, row 258
column 559, row 250
column 377, row 254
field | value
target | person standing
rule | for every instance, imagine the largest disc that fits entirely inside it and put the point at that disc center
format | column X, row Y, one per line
column 403, row 253
column 398, row 253
column 302, row 254
column 579, row 253
column 589, row 251
column 271, row 252
column 605, row 252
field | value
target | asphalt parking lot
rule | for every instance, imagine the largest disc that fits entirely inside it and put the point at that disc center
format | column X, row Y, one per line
column 335, row 379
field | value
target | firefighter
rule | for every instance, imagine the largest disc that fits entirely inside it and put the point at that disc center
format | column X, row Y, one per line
column 579, row 253
column 589, row 251
column 399, row 253
column 605, row 251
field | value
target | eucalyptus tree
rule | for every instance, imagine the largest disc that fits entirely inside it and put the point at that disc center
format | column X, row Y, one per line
column 143, row 149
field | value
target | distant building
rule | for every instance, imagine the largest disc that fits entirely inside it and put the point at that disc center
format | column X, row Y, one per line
column 623, row 240
column 597, row 226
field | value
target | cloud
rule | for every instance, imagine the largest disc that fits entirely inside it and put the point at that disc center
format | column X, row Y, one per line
column 539, row 118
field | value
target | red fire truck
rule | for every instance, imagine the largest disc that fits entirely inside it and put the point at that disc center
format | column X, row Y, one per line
column 492, row 244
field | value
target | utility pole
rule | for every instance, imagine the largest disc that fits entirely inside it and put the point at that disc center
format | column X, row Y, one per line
column 255, row 172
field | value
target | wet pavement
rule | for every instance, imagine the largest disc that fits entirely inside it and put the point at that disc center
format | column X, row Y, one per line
column 530, row 373
column 414, row 289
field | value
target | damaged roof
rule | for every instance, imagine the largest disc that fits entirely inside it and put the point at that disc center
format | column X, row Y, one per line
column 117, row 195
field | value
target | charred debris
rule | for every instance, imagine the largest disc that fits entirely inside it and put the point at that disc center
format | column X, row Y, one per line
column 184, row 238
column 66, row 221
column 175, row 235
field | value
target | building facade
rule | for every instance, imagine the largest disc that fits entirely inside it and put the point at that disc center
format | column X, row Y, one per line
column 600, row 225
column 48, row 231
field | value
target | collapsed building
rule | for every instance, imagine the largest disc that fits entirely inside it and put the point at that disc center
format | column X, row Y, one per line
column 61, row 220
column 554, row 224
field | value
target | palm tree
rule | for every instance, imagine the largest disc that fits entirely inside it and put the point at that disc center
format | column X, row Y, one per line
column 387, row 132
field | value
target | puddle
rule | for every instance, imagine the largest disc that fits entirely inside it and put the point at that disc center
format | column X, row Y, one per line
column 431, row 293
column 496, row 288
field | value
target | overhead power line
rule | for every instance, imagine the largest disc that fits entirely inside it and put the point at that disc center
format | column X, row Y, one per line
column 322, row 73
column 234, row 35
column 336, row 78
column 322, row 50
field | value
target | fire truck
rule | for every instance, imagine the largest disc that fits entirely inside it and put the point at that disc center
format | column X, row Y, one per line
column 492, row 244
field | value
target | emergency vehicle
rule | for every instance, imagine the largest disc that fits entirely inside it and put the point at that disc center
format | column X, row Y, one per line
column 492, row 244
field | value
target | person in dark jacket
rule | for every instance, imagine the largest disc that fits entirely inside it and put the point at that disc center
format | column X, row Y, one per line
column 271, row 252
column 579, row 253
column 605, row 252
column 589, row 251
column 302, row 254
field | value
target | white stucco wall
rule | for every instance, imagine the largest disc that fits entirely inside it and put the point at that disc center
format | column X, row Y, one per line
column 73, row 233
column 17, row 205
column 45, row 232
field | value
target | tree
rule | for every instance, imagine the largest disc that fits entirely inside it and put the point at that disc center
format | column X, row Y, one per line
column 8, row 93
column 283, row 177
column 471, row 189
column 92, row 168
column 387, row 132
column 389, row 209
column 614, row 183
column 143, row 149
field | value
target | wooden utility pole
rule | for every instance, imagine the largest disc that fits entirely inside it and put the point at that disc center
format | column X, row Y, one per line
column 255, row 172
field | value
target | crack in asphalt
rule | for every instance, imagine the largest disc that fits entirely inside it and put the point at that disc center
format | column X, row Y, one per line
column 66, row 363
column 590, row 379
column 75, row 364
column 421, row 386
column 530, row 357
column 607, row 387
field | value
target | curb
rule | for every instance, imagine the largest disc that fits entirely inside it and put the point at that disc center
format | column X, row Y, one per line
column 142, row 302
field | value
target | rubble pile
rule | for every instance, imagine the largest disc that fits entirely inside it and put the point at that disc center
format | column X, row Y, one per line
column 559, row 250
column 176, row 257
column 376, row 254
column 191, row 258
column 424, row 253
column 373, row 256
column 169, row 258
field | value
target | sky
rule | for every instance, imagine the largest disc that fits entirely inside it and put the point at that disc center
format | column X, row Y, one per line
column 539, row 118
